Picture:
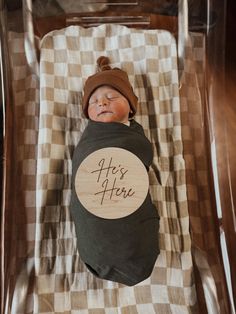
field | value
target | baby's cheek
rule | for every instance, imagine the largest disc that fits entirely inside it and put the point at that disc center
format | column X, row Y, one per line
column 91, row 113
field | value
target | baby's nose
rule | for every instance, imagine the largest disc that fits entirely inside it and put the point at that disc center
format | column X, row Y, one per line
column 103, row 101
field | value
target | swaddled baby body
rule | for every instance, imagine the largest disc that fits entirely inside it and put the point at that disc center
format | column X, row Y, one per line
column 123, row 249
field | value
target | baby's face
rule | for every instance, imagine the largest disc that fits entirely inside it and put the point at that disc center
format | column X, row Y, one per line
column 106, row 104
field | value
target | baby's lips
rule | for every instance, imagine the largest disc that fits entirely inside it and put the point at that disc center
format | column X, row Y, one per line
column 104, row 112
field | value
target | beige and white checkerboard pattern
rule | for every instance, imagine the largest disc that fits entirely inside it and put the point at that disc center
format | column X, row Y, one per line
column 68, row 57
column 48, row 134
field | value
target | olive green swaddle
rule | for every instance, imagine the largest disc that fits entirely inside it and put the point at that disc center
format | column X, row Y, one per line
column 124, row 249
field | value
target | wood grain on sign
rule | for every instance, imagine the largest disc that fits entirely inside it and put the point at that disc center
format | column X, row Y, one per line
column 111, row 183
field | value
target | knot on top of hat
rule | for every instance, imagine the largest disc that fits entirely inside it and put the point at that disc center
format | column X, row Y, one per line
column 103, row 63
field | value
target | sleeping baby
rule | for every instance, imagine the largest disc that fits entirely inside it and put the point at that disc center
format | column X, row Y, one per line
column 121, row 249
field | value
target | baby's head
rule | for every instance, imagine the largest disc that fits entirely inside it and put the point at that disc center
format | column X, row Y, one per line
column 108, row 95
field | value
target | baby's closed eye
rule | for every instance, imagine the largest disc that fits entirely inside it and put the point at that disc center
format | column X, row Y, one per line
column 112, row 96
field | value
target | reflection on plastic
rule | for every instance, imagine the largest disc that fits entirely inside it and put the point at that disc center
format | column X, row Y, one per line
column 183, row 35
column 208, row 282
column 30, row 48
column 20, row 296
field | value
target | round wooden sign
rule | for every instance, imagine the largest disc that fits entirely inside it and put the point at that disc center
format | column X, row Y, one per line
column 111, row 183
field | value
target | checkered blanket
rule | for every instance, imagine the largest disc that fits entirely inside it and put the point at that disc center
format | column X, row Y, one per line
column 61, row 282
column 67, row 58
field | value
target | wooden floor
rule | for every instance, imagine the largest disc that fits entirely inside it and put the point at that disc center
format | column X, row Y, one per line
column 230, row 126
column 231, row 90
column 229, row 100
column 226, row 130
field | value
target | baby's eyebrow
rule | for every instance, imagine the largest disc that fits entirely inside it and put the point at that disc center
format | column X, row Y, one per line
column 113, row 92
column 112, row 95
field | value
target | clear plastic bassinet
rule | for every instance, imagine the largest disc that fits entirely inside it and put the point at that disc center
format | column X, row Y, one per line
column 173, row 53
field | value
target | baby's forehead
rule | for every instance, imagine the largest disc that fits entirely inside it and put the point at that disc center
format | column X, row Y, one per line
column 105, row 89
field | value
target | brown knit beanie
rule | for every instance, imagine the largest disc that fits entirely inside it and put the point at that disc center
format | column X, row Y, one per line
column 116, row 78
